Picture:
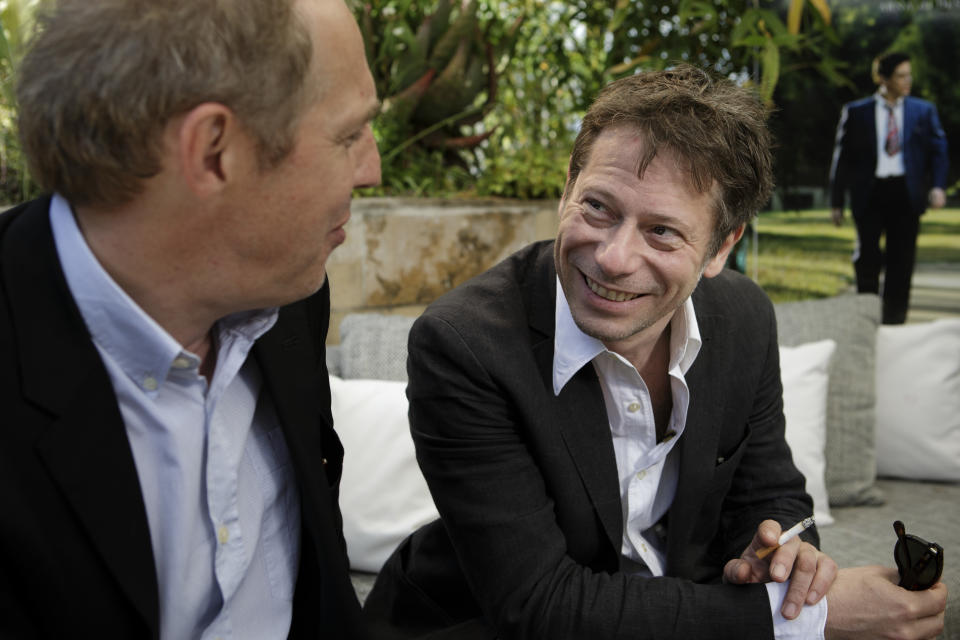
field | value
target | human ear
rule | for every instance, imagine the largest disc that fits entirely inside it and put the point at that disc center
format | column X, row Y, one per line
column 205, row 137
column 717, row 262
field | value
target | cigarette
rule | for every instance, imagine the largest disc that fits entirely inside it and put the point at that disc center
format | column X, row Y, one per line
column 786, row 537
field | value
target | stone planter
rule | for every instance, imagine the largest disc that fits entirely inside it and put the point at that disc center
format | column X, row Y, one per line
column 401, row 253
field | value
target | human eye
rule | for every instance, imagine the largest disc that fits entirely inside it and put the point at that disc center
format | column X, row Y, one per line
column 665, row 237
column 351, row 139
column 596, row 211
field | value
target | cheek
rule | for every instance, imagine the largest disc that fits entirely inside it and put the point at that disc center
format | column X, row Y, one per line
column 678, row 270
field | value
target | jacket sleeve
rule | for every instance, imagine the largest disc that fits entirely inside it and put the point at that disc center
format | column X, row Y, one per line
column 939, row 159
column 490, row 491
column 838, row 166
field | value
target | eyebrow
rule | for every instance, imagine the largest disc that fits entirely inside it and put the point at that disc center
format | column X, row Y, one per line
column 368, row 116
column 660, row 217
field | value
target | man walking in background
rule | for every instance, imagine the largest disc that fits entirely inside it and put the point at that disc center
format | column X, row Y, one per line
column 890, row 148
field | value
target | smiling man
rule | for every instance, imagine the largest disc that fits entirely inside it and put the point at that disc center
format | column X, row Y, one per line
column 599, row 418
column 168, row 465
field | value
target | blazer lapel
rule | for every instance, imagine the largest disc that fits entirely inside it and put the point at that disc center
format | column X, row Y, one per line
column 909, row 121
column 83, row 444
column 870, row 115
column 300, row 389
column 579, row 412
column 698, row 446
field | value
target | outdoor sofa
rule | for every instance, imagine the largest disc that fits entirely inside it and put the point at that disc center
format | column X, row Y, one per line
column 873, row 421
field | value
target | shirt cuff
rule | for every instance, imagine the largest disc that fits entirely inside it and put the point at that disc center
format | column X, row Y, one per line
column 809, row 624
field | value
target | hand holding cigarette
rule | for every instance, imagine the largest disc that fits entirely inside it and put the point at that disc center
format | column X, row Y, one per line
column 786, row 536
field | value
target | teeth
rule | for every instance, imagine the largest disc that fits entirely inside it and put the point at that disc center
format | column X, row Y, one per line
column 614, row 296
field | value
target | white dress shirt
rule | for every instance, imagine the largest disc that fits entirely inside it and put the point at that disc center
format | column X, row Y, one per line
column 648, row 470
column 888, row 166
column 214, row 471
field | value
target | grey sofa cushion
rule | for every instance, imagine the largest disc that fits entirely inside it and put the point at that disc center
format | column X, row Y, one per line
column 851, row 321
column 333, row 360
column 374, row 346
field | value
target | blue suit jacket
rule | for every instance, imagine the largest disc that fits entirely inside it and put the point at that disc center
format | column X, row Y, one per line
column 855, row 153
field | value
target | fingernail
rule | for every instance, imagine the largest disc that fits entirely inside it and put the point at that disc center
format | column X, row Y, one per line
column 778, row 571
column 812, row 597
column 790, row 610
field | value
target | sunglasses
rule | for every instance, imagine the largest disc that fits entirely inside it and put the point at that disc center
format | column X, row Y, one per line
column 919, row 562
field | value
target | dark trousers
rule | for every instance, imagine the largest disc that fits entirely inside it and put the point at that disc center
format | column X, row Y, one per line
column 887, row 214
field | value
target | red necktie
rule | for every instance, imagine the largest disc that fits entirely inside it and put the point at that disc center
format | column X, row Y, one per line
column 892, row 144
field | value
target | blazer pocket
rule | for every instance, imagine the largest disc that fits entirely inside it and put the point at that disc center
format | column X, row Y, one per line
column 332, row 455
column 726, row 465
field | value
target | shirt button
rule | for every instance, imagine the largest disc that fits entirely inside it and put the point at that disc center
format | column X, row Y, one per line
column 633, row 407
column 223, row 534
column 644, row 547
column 150, row 383
column 642, row 474
column 181, row 363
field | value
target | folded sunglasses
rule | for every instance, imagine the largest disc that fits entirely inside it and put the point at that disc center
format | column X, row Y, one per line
column 919, row 562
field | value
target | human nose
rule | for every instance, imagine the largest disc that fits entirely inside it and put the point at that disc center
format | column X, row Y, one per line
column 367, row 170
column 620, row 253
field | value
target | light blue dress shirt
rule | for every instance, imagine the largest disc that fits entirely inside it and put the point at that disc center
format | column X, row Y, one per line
column 214, row 470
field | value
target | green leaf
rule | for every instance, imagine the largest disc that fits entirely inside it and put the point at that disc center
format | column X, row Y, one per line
column 794, row 13
column 771, row 71
column 462, row 29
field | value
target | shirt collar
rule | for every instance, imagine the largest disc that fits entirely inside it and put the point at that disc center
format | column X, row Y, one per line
column 141, row 347
column 572, row 348
column 882, row 100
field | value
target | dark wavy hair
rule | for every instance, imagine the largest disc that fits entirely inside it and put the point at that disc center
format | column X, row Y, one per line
column 717, row 130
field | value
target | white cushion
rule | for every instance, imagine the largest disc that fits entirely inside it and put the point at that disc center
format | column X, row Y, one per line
column 918, row 400
column 804, row 371
column 383, row 496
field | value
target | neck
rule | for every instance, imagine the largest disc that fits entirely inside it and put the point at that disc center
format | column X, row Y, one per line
column 889, row 97
column 155, row 268
column 649, row 349
column 655, row 372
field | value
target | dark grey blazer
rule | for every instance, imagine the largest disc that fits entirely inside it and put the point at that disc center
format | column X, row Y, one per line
column 75, row 554
column 527, row 487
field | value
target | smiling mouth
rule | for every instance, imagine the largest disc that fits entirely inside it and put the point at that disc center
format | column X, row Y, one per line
column 609, row 294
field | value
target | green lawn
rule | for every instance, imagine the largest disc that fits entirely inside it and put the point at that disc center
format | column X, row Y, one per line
column 802, row 255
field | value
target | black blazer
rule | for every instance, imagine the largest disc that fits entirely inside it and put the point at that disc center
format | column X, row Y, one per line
column 75, row 554
column 526, row 482
column 854, row 163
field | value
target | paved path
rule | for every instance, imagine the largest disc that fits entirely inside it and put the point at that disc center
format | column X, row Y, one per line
column 935, row 293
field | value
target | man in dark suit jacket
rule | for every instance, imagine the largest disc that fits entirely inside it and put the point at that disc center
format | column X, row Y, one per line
column 198, row 193
column 605, row 453
column 891, row 154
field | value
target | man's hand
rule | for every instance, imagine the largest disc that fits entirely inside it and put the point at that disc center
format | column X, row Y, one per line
column 811, row 572
column 836, row 214
column 865, row 602
column 937, row 198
